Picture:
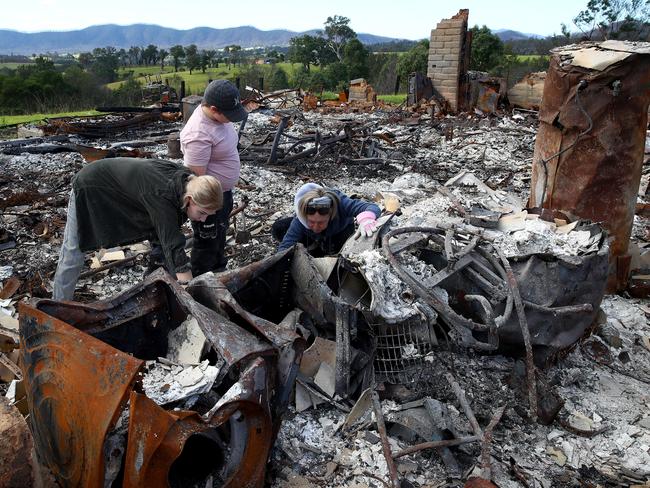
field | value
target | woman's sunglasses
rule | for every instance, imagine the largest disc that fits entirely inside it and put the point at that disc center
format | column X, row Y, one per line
column 319, row 210
column 320, row 205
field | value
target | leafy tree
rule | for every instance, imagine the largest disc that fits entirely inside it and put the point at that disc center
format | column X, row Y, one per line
column 318, row 82
column 338, row 33
column 105, row 64
column 278, row 79
column 355, row 57
column 85, row 60
column 162, row 54
column 150, row 55
column 337, row 76
column 302, row 49
column 235, row 54
column 382, row 69
column 308, row 50
column 612, row 19
column 134, row 55
column 177, row 52
column 129, row 93
column 324, row 54
column 211, row 55
column 86, row 91
column 300, row 77
column 192, row 58
column 204, row 60
column 487, row 49
column 123, row 56
column 250, row 75
column 414, row 61
column 33, row 88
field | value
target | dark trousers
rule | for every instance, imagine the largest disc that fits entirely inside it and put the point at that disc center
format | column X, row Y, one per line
column 322, row 246
column 210, row 240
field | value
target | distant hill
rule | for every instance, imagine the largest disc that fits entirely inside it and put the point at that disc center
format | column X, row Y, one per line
column 119, row 36
column 510, row 35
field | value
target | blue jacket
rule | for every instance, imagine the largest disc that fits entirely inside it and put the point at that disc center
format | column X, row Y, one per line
column 347, row 210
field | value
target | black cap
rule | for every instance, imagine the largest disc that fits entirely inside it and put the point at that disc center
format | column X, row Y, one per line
column 225, row 96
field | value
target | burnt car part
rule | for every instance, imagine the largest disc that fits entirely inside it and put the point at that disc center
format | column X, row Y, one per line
column 82, row 362
column 560, row 295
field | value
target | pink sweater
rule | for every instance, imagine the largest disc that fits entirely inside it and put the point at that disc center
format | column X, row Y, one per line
column 206, row 142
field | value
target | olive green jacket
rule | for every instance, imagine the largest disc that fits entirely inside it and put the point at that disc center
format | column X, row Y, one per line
column 125, row 200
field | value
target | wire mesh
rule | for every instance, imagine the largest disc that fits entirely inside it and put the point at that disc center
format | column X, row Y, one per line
column 401, row 351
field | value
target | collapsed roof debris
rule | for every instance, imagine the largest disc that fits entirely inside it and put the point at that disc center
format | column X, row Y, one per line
column 469, row 342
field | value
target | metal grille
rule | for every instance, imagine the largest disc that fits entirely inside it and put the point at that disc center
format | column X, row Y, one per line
column 401, row 351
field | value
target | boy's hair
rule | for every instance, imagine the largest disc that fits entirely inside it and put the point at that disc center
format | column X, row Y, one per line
column 317, row 193
column 205, row 191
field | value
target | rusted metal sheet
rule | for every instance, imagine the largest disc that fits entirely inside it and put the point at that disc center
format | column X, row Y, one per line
column 181, row 448
column 528, row 92
column 488, row 95
column 76, row 386
column 590, row 143
column 88, row 379
column 256, row 293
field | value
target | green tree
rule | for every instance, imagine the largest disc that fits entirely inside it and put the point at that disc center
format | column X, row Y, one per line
column 487, row 50
column 278, row 79
column 105, row 64
column 150, row 55
column 177, row 53
column 613, row 19
column 302, row 49
column 211, row 55
column 318, row 82
column 134, row 55
column 192, row 58
column 85, row 60
column 162, row 54
column 234, row 54
column 414, row 61
column 355, row 57
column 337, row 76
column 123, row 57
column 338, row 33
column 382, row 69
column 300, row 77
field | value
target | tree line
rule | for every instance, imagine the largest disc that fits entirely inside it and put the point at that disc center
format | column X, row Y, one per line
column 78, row 83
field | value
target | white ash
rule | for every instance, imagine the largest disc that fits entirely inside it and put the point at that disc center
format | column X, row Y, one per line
column 115, row 447
column 539, row 237
column 165, row 384
column 428, row 212
column 312, row 441
column 376, row 270
column 111, row 282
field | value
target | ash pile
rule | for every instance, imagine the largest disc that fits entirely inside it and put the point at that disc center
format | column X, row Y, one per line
column 469, row 343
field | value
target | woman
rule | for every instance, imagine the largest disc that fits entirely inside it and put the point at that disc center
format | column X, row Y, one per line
column 119, row 201
column 324, row 220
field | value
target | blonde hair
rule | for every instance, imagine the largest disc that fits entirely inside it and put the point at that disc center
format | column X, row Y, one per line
column 316, row 193
column 205, row 191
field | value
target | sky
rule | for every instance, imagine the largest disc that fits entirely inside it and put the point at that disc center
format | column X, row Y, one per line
column 404, row 19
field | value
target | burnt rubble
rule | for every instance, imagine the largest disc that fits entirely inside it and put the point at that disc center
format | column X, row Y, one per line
column 431, row 315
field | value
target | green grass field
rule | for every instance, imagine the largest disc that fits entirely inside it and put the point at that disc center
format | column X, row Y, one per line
column 23, row 119
column 196, row 82
column 531, row 57
column 393, row 99
column 12, row 65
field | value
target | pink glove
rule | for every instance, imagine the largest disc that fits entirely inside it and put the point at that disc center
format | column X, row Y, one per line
column 367, row 223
